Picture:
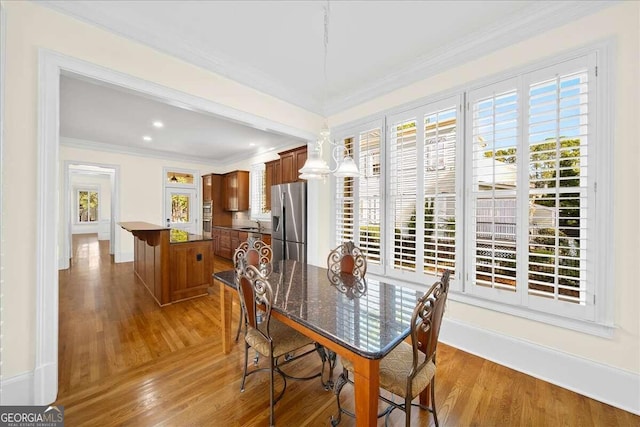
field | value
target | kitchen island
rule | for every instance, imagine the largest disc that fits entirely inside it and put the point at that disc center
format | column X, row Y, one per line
column 173, row 264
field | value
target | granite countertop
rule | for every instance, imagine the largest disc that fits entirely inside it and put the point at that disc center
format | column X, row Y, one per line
column 266, row 231
column 175, row 235
column 181, row 236
column 369, row 319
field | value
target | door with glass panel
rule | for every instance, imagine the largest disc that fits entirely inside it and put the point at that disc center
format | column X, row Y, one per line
column 180, row 209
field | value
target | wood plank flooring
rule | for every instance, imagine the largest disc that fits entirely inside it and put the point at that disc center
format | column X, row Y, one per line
column 125, row 361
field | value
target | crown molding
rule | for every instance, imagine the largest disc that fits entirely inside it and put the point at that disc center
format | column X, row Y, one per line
column 539, row 17
column 542, row 16
column 158, row 154
column 171, row 43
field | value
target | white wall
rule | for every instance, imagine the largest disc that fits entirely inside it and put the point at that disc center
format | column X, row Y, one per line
column 621, row 23
column 29, row 28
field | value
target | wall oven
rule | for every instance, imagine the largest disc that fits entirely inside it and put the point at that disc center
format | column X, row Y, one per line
column 207, row 216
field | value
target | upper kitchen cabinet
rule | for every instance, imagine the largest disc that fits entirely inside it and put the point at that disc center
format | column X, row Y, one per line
column 207, row 188
column 236, row 191
column 290, row 162
column 272, row 176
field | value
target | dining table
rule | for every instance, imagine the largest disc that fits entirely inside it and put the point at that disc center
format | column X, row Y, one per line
column 361, row 320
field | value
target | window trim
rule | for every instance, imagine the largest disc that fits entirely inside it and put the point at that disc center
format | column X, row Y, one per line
column 604, row 276
column 253, row 215
column 88, row 188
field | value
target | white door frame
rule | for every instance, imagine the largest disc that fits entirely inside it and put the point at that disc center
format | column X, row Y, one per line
column 67, row 212
column 50, row 65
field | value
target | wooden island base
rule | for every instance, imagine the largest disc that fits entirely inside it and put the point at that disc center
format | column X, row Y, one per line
column 173, row 264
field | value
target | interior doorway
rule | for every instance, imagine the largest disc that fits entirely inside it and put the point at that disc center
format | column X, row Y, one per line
column 90, row 205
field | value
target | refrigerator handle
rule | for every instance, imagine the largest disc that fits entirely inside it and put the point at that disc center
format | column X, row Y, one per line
column 276, row 223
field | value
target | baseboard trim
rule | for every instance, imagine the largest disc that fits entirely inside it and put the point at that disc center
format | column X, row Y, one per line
column 17, row 390
column 601, row 382
column 123, row 257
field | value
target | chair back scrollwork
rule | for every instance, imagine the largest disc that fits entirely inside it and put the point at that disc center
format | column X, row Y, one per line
column 348, row 259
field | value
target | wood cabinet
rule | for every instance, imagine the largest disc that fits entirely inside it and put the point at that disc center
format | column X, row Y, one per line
column 190, row 267
column 215, row 237
column 225, row 243
column 207, row 187
column 290, row 162
column 172, row 269
column 227, row 240
column 212, row 191
column 272, row 176
column 284, row 170
column 236, row 191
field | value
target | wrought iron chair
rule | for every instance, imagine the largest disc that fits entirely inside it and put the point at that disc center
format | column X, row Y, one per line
column 272, row 339
column 410, row 368
column 256, row 253
column 347, row 259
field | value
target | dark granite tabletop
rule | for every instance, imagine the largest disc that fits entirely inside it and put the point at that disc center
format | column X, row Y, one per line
column 181, row 236
column 368, row 318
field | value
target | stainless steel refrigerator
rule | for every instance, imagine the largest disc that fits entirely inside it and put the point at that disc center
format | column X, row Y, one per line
column 289, row 221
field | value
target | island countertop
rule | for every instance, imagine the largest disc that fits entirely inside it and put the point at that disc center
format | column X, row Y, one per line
column 175, row 235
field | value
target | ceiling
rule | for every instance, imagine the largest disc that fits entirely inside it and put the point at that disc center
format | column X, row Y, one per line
column 113, row 118
column 278, row 48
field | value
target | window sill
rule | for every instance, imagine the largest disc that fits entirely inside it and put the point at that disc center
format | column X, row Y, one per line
column 584, row 326
column 593, row 328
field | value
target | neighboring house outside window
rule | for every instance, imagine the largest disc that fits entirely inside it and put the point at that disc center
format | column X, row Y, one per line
column 499, row 188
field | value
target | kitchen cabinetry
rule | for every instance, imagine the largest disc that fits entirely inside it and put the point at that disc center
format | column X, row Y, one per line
column 212, row 191
column 206, row 187
column 236, row 191
column 284, row 170
column 172, row 264
column 290, row 162
column 215, row 236
column 272, row 176
column 227, row 240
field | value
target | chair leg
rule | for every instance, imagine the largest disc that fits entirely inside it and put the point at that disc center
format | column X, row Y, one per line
column 240, row 322
column 337, row 388
column 246, row 362
column 433, row 400
column 272, row 421
column 407, row 410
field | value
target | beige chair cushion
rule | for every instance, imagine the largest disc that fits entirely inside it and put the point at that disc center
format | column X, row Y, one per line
column 395, row 368
column 285, row 339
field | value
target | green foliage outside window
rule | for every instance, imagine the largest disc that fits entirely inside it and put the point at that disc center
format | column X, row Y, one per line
column 87, row 206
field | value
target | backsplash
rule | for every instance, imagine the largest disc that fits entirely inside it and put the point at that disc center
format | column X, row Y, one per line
column 242, row 219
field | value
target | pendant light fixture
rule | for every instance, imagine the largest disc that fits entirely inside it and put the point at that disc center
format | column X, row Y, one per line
column 315, row 167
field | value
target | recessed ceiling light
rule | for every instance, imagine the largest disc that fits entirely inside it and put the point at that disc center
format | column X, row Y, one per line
column 146, row 138
column 252, row 144
column 158, row 124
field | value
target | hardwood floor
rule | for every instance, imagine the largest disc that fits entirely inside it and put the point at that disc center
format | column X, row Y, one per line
column 125, row 361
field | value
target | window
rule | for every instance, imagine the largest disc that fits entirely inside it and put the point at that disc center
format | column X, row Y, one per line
column 364, row 144
column 173, row 177
column 258, row 192
column 422, row 190
column 500, row 188
column 87, row 206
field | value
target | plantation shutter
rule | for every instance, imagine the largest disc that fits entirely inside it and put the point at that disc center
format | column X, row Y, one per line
column 559, row 113
column 440, row 138
column 357, row 204
column 403, row 194
column 258, row 194
column 369, row 194
column 345, row 202
column 492, row 233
